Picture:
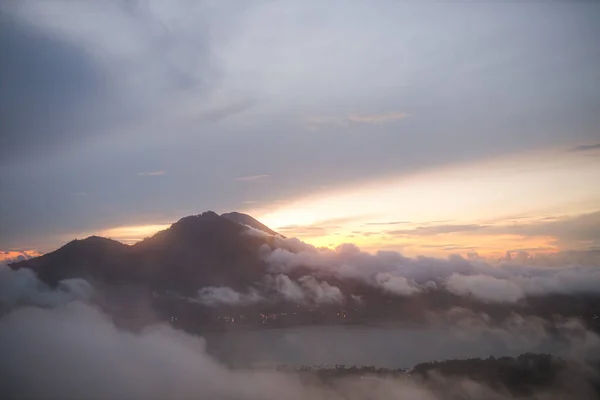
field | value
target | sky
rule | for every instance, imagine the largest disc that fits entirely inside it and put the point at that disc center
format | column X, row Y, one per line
column 424, row 127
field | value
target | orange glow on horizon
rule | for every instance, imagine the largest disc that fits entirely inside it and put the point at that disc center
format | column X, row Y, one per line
column 522, row 190
column 12, row 255
column 440, row 245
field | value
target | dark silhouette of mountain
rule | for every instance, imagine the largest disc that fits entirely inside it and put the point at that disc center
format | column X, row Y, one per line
column 196, row 251
column 201, row 250
column 94, row 257
column 245, row 219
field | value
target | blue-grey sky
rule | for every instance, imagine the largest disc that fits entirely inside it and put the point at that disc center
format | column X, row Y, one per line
column 124, row 113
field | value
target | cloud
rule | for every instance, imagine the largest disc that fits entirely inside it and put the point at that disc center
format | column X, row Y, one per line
column 579, row 231
column 397, row 285
column 436, row 230
column 307, row 290
column 507, row 279
column 82, row 350
column 250, row 230
column 133, row 60
column 22, row 287
column 315, row 122
column 448, row 247
column 11, row 256
column 319, row 228
column 517, row 332
column 152, row 173
column 290, row 290
column 321, row 292
column 306, row 230
column 63, row 103
column 55, row 346
column 486, row 288
column 585, row 147
column 252, row 178
column 157, row 363
column 569, row 231
column 213, row 296
column 387, row 223
column 339, row 263
column 377, row 118
column 357, row 299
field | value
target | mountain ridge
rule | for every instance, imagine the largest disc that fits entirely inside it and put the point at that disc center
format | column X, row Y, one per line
column 197, row 250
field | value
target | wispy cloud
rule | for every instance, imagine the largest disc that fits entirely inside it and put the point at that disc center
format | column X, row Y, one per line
column 251, row 178
column 584, row 147
column 314, row 122
column 570, row 231
column 324, row 228
column 377, row 118
column 436, row 230
column 152, row 173
column 387, row 223
column 581, row 231
column 373, row 119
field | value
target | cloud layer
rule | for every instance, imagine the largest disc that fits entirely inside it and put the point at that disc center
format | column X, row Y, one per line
column 210, row 91
column 507, row 280
column 81, row 350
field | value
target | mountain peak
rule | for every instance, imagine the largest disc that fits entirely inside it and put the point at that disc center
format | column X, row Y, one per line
column 205, row 216
column 93, row 242
column 207, row 221
column 247, row 220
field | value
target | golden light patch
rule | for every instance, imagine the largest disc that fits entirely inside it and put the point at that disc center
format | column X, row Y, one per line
column 132, row 233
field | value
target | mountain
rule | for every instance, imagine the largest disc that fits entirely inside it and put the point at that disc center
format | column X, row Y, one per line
column 196, row 251
column 168, row 272
column 94, row 257
column 245, row 219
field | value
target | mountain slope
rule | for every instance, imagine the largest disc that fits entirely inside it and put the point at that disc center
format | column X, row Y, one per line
column 196, row 251
column 93, row 257
column 245, row 219
column 201, row 250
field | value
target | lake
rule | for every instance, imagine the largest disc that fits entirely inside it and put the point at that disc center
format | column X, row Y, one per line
column 381, row 347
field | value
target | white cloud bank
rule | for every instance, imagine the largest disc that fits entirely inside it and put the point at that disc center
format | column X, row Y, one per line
column 22, row 287
column 507, row 280
column 305, row 290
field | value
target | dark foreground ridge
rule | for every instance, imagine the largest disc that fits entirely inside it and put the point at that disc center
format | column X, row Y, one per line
column 515, row 377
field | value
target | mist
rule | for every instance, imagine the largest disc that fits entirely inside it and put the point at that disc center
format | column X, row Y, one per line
column 68, row 348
